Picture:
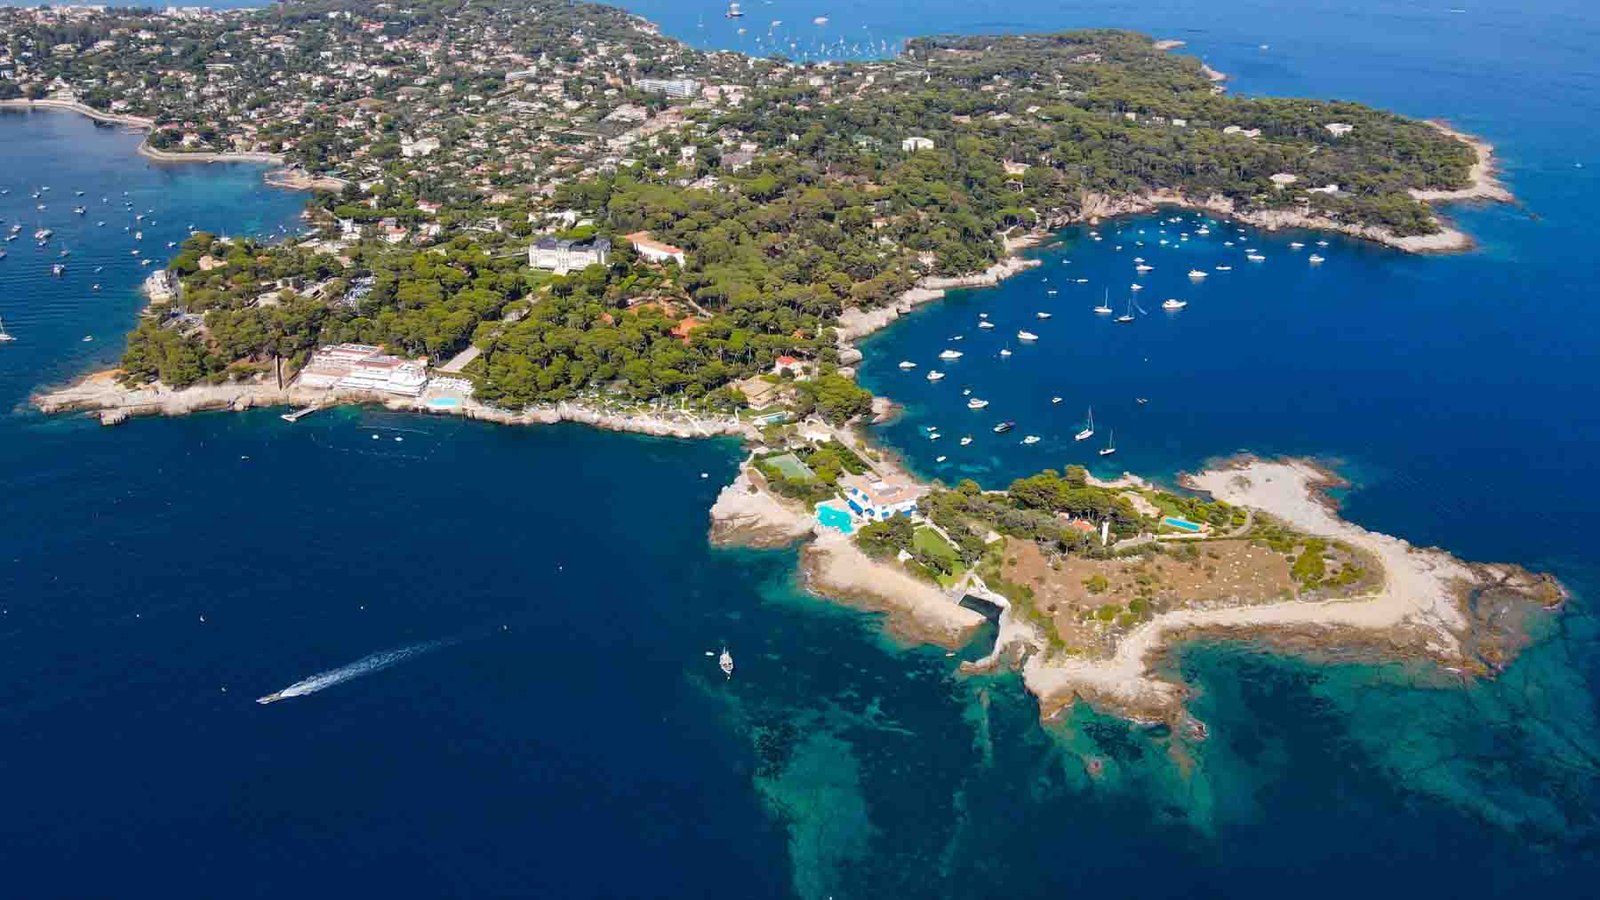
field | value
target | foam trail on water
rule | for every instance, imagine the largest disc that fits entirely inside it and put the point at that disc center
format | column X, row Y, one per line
column 363, row 666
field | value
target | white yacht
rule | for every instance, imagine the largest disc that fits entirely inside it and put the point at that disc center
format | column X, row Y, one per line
column 935, row 375
column 950, row 354
column 986, row 324
column 907, row 364
column 5, row 336
column 1111, row 445
column 1296, row 245
column 725, row 663
column 1224, row 268
column 1198, row 274
column 1088, row 428
column 1104, row 309
column 966, row 439
column 1174, row 304
column 1031, row 439
column 975, row 403
column 1041, row 315
column 1054, row 401
column 1027, row 336
column 1314, row 259
column 1254, row 257
column 1005, row 352
column 1142, row 268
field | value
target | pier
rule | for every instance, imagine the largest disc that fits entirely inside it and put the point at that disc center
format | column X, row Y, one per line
column 300, row 413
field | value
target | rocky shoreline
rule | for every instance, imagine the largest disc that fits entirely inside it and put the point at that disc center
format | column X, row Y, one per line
column 1458, row 617
column 114, row 403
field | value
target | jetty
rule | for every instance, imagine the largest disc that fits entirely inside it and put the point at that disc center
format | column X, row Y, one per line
column 300, row 413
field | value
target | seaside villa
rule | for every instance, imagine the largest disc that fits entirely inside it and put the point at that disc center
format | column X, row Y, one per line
column 561, row 257
column 876, row 500
column 362, row 367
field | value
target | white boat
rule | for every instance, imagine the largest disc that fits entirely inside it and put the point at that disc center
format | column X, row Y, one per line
column 1198, row 274
column 907, row 364
column 1126, row 317
column 1054, row 400
column 1322, row 243
column 1027, row 336
column 1031, row 439
column 1141, row 268
column 1111, row 445
column 725, row 663
column 1041, row 315
column 1314, row 259
column 1005, row 352
column 1172, row 303
column 1051, row 292
column 5, row 336
column 966, row 439
column 58, row 269
column 986, row 324
column 1088, row 428
column 940, row 458
column 935, row 375
column 820, row 20
column 975, row 403
column 1083, row 281
column 1254, row 257
column 950, row 354
column 1135, row 287
column 734, row 12
column 1224, row 268
column 934, row 435
column 1104, row 308
column 1296, row 245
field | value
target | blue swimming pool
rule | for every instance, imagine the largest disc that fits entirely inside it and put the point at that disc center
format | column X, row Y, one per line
column 444, row 403
column 1180, row 524
column 835, row 518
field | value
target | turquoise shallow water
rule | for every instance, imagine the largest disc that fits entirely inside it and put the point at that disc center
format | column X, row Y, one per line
column 550, row 723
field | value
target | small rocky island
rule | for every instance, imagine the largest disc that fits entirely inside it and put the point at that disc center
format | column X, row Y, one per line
column 1094, row 581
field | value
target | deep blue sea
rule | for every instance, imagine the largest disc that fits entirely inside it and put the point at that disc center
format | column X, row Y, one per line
column 499, row 635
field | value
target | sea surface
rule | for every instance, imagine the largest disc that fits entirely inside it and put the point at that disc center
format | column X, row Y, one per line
column 493, row 641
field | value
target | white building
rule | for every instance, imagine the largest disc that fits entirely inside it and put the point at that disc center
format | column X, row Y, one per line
column 913, row 144
column 363, row 367
column 561, row 257
column 423, row 147
column 1339, row 129
column 876, row 500
column 655, row 250
column 676, row 88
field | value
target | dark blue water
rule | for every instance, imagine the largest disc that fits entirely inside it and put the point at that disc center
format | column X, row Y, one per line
column 558, row 729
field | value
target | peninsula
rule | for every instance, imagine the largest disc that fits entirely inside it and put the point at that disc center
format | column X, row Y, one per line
column 1093, row 582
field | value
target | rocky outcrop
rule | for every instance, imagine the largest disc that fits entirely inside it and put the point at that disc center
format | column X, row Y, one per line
column 744, row 516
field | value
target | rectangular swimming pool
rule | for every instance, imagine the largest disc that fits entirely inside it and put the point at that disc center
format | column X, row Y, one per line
column 1180, row 524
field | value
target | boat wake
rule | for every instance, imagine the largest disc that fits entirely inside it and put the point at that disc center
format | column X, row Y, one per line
column 364, row 666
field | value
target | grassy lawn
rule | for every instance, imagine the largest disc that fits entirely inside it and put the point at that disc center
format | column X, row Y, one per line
column 926, row 540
